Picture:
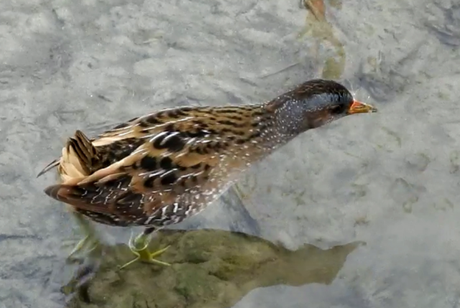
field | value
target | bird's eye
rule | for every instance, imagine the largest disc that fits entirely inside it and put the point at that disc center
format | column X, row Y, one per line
column 338, row 109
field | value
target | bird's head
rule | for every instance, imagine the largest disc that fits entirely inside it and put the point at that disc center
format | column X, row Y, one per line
column 315, row 103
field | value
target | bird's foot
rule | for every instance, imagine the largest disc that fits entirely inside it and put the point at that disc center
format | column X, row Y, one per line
column 143, row 254
column 90, row 241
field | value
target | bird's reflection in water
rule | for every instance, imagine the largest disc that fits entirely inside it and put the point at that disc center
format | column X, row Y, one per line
column 210, row 268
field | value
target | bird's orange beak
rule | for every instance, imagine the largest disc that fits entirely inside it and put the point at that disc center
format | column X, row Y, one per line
column 358, row 107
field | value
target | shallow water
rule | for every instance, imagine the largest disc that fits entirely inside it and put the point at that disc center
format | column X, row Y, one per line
column 361, row 213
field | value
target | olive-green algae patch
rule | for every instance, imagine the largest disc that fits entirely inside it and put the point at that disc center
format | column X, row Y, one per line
column 318, row 27
column 210, row 268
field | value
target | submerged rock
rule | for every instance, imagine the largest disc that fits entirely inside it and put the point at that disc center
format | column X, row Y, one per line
column 210, row 268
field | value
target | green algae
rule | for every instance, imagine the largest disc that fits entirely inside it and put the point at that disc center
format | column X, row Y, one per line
column 210, row 268
column 323, row 31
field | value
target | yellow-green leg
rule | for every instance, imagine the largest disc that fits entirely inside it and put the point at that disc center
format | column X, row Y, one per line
column 239, row 192
column 90, row 240
column 139, row 247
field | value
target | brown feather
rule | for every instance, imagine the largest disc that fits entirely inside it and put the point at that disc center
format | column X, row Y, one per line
column 151, row 168
column 48, row 167
column 163, row 167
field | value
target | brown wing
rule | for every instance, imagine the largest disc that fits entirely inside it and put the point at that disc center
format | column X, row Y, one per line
column 135, row 195
column 187, row 159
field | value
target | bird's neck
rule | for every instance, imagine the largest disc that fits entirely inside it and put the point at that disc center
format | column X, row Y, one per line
column 273, row 126
column 285, row 120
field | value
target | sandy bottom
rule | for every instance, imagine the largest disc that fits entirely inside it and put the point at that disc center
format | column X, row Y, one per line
column 361, row 213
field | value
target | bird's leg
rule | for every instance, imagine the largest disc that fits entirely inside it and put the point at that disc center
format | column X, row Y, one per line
column 90, row 241
column 139, row 246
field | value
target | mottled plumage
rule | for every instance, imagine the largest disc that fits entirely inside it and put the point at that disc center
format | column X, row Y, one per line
column 161, row 168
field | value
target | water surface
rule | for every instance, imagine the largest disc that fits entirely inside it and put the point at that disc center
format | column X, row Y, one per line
column 361, row 213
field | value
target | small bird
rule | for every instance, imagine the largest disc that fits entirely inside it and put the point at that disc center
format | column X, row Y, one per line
column 158, row 169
